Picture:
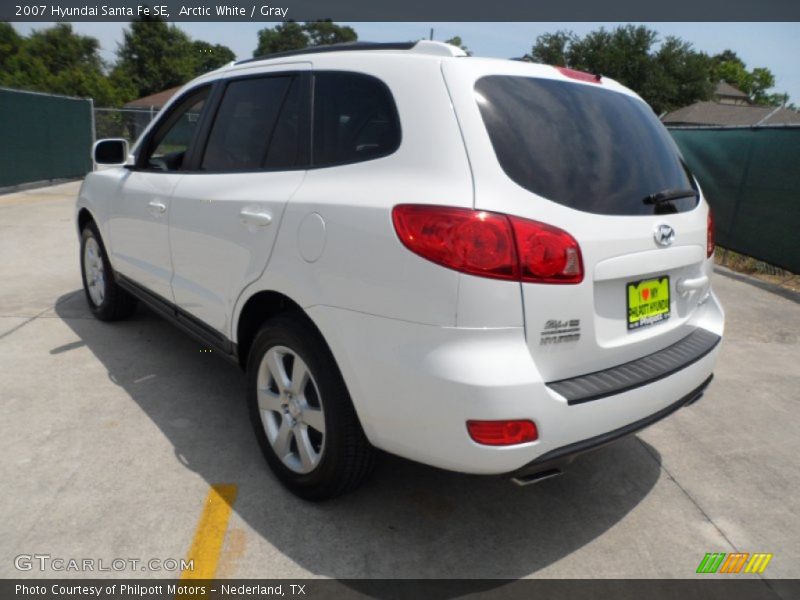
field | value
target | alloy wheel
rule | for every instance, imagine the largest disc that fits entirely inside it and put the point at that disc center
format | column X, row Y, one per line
column 291, row 409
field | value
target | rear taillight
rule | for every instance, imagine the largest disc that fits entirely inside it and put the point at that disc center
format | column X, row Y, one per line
column 502, row 433
column 489, row 244
column 547, row 254
column 710, row 235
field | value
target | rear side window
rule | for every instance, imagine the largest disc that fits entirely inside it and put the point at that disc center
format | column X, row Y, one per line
column 285, row 147
column 581, row 145
column 245, row 124
column 355, row 119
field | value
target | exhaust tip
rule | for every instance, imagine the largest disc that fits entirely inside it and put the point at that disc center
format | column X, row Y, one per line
column 536, row 477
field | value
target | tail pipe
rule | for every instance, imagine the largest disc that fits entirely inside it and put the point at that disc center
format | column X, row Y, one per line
column 523, row 480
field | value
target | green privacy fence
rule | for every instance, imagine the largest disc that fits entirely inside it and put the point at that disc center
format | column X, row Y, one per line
column 751, row 178
column 43, row 137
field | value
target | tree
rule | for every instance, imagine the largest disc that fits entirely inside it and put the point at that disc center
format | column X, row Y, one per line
column 152, row 57
column 727, row 66
column 667, row 75
column 456, row 41
column 322, row 33
column 551, row 48
column 623, row 54
column 294, row 36
column 209, row 57
column 10, row 45
column 55, row 60
column 284, row 37
column 155, row 56
column 678, row 77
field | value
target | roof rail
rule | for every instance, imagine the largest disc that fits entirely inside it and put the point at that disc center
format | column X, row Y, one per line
column 422, row 47
column 346, row 46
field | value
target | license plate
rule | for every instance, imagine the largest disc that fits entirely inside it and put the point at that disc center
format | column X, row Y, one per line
column 648, row 302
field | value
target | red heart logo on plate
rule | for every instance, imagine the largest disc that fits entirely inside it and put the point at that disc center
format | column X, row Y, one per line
column 645, row 293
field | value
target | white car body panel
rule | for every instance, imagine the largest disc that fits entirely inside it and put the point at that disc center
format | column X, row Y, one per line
column 215, row 251
column 140, row 230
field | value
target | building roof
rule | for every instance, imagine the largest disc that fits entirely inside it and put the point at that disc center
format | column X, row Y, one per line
column 727, row 90
column 157, row 100
column 714, row 113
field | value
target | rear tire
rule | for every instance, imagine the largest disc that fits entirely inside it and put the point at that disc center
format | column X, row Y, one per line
column 107, row 301
column 302, row 414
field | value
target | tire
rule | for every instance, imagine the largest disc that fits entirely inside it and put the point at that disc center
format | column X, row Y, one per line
column 287, row 414
column 107, row 301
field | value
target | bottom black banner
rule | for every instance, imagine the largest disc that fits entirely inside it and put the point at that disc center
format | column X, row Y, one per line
column 401, row 589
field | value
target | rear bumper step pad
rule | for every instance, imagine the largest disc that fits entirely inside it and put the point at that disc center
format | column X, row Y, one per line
column 639, row 372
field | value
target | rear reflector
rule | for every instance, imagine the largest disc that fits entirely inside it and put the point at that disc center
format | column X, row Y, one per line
column 710, row 245
column 502, row 433
column 489, row 244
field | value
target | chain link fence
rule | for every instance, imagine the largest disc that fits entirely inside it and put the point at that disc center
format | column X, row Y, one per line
column 128, row 123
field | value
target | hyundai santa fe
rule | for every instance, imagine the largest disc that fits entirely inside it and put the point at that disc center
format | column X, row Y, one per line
column 488, row 266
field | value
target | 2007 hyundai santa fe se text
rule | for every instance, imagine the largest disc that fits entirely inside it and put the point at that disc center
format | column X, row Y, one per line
column 488, row 266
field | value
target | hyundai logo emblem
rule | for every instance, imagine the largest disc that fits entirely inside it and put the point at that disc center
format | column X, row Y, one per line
column 664, row 235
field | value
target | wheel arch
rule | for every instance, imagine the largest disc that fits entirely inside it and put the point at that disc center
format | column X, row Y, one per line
column 259, row 308
column 84, row 218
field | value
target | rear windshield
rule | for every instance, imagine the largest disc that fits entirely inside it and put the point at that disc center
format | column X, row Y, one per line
column 582, row 146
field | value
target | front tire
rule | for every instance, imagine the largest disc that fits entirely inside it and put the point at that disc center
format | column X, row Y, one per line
column 107, row 301
column 302, row 414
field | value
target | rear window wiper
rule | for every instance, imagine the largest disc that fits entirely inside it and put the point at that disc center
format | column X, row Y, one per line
column 668, row 195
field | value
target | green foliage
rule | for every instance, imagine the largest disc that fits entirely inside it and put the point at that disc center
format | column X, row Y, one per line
column 326, row 32
column 155, row 56
column 152, row 57
column 284, row 37
column 294, row 36
column 667, row 76
column 552, row 48
column 456, row 41
column 10, row 45
column 679, row 76
column 727, row 66
column 54, row 60
column 210, row 57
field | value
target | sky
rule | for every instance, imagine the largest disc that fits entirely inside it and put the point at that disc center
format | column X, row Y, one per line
column 772, row 45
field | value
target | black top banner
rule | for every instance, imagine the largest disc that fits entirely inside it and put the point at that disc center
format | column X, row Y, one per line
column 402, row 10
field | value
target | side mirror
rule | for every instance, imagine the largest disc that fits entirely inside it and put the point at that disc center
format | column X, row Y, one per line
column 112, row 151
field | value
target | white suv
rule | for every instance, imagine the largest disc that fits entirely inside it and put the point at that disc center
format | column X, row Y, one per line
column 488, row 266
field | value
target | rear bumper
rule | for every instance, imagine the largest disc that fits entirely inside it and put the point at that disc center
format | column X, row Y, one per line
column 415, row 386
column 560, row 457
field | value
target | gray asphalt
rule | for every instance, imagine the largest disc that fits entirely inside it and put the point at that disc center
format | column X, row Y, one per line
column 112, row 434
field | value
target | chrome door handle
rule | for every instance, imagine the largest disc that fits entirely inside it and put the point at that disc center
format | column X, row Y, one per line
column 157, row 207
column 255, row 217
column 685, row 286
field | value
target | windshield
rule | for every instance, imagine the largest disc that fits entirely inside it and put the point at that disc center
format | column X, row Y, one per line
column 582, row 146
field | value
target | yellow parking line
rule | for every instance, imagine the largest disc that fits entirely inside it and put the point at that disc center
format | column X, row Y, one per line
column 210, row 532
